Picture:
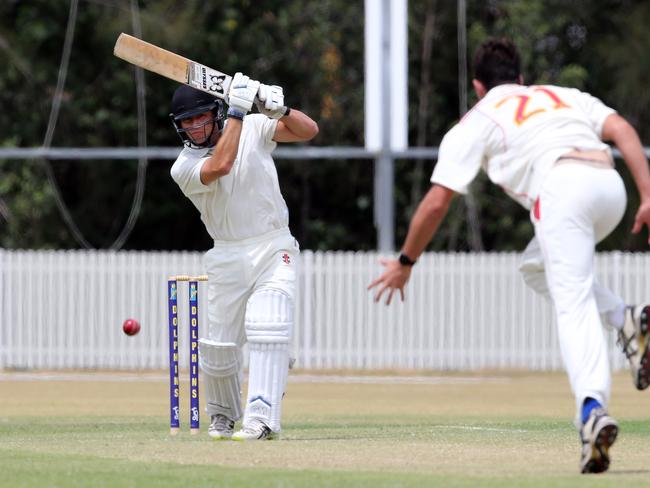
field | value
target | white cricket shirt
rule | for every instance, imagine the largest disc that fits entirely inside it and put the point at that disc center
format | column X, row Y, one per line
column 516, row 133
column 246, row 202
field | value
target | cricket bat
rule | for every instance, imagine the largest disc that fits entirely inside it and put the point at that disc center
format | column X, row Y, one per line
column 171, row 65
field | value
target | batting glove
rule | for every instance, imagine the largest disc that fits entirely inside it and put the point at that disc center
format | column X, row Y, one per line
column 241, row 95
column 270, row 101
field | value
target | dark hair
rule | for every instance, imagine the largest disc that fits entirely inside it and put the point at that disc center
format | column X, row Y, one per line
column 497, row 61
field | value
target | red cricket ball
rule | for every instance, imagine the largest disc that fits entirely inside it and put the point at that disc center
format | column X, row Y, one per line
column 131, row 327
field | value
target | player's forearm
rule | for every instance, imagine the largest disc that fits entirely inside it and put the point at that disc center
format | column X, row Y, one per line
column 426, row 220
column 225, row 153
column 420, row 233
column 619, row 131
column 300, row 124
column 635, row 159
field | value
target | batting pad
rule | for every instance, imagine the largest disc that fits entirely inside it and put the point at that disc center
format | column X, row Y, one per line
column 268, row 371
column 220, row 363
column 269, row 321
column 269, row 317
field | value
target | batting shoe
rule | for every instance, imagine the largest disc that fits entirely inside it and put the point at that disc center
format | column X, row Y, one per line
column 255, row 430
column 633, row 339
column 221, row 427
column 597, row 435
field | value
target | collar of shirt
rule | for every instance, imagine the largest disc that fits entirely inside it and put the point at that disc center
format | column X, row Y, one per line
column 502, row 89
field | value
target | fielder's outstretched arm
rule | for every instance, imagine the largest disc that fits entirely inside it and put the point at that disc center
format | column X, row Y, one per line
column 424, row 224
column 427, row 218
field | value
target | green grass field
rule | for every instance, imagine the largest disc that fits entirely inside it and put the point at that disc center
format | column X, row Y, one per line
column 494, row 429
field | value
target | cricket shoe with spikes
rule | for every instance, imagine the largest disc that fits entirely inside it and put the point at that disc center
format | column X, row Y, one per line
column 634, row 340
column 255, row 430
column 221, row 428
column 597, row 435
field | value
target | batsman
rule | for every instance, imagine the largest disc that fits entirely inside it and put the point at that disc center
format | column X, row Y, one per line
column 544, row 146
column 227, row 171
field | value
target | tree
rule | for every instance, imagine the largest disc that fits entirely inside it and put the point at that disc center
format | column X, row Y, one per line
column 315, row 51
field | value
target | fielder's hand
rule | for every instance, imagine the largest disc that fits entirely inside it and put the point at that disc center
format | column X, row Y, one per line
column 241, row 95
column 394, row 278
column 642, row 218
column 270, row 101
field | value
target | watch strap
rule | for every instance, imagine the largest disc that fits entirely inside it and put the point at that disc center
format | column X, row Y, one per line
column 405, row 260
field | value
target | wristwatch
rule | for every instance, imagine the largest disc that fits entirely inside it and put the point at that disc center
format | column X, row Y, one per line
column 404, row 260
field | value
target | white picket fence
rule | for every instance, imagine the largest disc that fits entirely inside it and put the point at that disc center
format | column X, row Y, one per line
column 64, row 310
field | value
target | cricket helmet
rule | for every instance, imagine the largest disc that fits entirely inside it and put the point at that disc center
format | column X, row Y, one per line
column 188, row 102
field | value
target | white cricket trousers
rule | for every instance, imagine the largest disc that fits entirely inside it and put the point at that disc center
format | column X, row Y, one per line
column 236, row 269
column 251, row 293
column 578, row 206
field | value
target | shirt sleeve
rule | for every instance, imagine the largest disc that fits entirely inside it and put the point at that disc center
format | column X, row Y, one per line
column 460, row 156
column 595, row 110
column 186, row 172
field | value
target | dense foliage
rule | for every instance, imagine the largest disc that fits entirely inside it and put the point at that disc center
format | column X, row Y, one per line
column 315, row 50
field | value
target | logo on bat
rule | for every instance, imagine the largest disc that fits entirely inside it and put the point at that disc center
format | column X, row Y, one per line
column 207, row 79
column 212, row 82
column 217, row 83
